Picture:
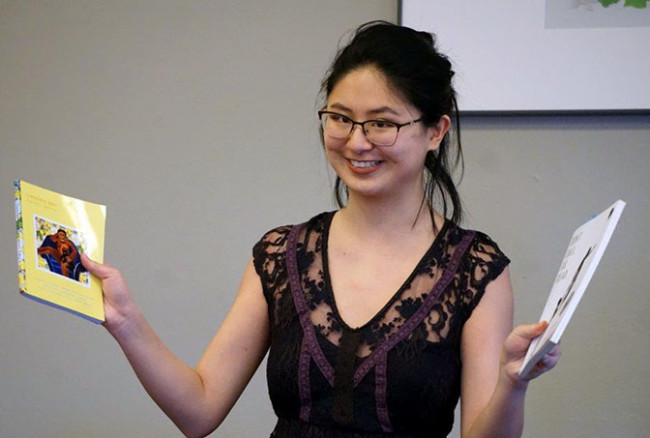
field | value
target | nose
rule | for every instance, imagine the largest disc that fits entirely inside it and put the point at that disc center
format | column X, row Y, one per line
column 357, row 139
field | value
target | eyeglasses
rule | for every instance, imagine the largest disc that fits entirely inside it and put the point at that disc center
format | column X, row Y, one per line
column 378, row 132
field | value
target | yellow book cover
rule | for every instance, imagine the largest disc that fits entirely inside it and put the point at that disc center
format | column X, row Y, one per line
column 53, row 231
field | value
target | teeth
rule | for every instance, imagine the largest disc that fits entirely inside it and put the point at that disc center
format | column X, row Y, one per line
column 364, row 164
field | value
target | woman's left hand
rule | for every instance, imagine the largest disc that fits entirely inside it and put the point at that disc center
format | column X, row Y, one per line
column 514, row 351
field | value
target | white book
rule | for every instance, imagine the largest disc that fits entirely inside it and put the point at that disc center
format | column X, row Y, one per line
column 585, row 250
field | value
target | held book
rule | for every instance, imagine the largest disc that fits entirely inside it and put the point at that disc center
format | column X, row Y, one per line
column 585, row 250
column 53, row 231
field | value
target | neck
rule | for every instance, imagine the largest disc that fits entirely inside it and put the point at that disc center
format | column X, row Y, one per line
column 388, row 217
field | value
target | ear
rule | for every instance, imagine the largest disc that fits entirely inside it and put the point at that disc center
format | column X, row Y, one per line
column 438, row 132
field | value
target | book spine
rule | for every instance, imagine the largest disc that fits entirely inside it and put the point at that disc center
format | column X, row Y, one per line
column 19, row 237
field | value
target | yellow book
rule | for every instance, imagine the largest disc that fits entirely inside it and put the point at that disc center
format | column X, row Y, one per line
column 53, row 231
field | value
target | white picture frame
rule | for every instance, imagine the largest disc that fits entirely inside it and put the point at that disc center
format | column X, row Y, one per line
column 508, row 60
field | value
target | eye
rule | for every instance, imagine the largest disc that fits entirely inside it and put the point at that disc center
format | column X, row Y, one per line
column 381, row 124
column 338, row 118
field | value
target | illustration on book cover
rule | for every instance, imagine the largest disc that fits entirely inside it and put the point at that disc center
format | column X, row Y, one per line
column 59, row 249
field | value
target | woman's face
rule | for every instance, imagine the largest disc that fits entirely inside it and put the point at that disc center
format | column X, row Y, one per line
column 374, row 171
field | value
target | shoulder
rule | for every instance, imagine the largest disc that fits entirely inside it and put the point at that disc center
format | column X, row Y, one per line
column 276, row 237
column 273, row 239
column 483, row 261
column 481, row 247
column 273, row 243
column 487, row 249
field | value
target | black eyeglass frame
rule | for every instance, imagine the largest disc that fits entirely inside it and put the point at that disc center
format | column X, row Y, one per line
column 362, row 124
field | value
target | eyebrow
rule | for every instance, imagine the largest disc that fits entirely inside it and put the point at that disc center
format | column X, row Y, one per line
column 374, row 111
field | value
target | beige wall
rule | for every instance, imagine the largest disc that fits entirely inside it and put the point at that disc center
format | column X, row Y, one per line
column 195, row 123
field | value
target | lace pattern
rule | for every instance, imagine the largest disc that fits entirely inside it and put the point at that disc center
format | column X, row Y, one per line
column 427, row 311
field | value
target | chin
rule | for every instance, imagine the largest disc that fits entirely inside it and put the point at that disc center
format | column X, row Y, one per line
column 363, row 190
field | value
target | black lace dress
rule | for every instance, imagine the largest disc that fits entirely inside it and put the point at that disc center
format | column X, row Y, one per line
column 399, row 374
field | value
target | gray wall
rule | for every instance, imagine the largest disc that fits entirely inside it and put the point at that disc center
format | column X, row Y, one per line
column 196, row 121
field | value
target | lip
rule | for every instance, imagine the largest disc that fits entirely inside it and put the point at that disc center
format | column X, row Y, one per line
column 363, row 167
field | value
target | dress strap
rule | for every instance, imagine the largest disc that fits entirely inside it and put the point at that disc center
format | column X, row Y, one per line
column 309, row 348
column 303, row 308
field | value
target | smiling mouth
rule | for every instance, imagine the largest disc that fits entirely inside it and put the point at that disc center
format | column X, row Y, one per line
column 364, row 164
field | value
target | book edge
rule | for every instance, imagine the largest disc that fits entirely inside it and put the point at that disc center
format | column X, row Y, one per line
column 59, row 307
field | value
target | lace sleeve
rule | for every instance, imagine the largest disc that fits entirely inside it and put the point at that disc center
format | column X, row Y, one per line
column 268, row 259
column 485, row 263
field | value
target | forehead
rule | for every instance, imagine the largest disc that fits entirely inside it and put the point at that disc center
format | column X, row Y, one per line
column 366, row 89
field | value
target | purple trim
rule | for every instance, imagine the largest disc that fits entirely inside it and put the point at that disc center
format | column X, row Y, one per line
column 420, row 314
column 381, row 382
column 309, row 334
column 303, row 382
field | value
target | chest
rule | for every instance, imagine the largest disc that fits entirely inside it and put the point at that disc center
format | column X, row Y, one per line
column 384, row 376
column 364, row 281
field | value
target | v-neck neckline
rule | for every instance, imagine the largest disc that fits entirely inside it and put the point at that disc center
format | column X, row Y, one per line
column 329, row 290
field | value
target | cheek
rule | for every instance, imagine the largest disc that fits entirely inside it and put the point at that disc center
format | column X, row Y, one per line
column 333, row 147
column 416, row 149
column 330, row 155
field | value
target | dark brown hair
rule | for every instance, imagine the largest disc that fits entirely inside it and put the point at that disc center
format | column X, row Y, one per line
column 422, row 76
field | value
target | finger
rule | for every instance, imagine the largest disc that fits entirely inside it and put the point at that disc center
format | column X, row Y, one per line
column 555, row 352
column 548, row 362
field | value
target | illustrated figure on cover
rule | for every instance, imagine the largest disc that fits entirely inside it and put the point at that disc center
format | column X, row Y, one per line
column 62, row 255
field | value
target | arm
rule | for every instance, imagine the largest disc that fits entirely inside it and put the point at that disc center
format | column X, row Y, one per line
column 196, row 400
column 73, row 251
column 47, row 250
column 493, row 394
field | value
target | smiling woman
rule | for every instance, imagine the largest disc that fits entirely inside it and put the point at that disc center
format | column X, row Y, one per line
column 377, row 318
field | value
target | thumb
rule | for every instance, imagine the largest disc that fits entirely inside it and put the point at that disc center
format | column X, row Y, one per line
column 530, row 331
column 97, row 269
column 520, row 338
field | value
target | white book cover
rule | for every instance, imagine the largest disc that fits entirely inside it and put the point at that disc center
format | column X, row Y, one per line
column 585, row 250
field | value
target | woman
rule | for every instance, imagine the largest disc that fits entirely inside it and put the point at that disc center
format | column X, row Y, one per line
column 368, row 312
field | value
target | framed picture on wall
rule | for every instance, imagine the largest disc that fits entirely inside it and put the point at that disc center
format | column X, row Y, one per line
column 542, row 56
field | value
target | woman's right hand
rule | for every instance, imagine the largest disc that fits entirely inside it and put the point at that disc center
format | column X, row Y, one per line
column 119, row 306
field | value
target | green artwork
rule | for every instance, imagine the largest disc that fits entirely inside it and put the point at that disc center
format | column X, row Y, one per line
column 639, row 4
